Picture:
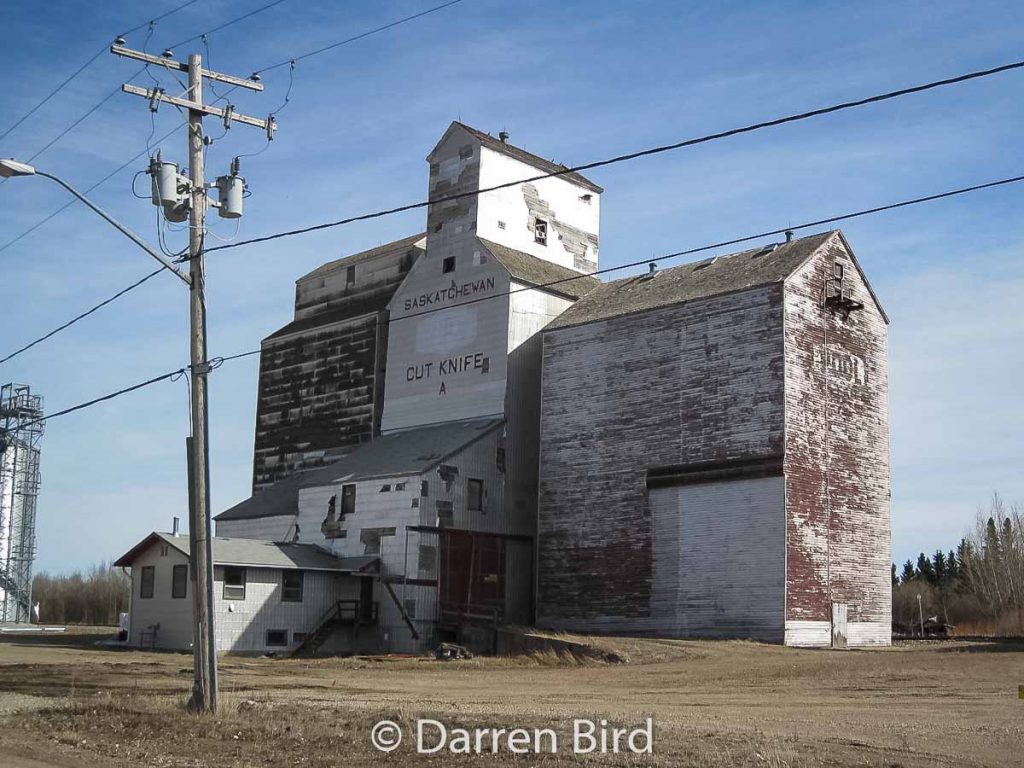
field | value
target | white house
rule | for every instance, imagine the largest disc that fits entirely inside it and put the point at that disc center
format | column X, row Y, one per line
column 267, row 596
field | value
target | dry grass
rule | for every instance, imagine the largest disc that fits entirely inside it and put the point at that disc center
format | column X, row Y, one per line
column 263, row 732
column 714, row 704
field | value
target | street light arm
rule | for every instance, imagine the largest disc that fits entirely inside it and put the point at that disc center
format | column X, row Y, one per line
column 123, row 229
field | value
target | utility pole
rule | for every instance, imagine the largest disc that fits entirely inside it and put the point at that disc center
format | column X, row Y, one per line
column 176, row 194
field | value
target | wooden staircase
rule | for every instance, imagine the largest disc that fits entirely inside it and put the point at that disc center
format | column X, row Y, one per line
column 351, row 613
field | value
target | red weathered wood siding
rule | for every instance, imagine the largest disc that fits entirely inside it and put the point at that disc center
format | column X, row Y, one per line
column 837, row 454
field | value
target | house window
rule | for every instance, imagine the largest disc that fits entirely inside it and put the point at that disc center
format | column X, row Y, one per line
column 425, row 488
column 291, row 586
column 350, row 276
column 234, row 583
column 540, row 231
column 147, row 581
column 475, row 495
column 179, row 581
column 448, row 265
column 277, row 638
column 348, row 500
column 163, row 550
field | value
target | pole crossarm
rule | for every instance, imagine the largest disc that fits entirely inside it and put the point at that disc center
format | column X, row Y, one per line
column 120, row 227
column 159, row 95
column 178, row 66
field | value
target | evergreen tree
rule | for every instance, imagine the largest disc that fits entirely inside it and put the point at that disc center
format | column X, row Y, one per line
column 925, row 569
column 964, row 553
column 952, row 568
column 939, row 565
column 908, row 572
column 991, row 540
column 895, row 578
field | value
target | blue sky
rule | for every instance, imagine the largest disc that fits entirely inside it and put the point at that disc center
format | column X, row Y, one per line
column 573, row 81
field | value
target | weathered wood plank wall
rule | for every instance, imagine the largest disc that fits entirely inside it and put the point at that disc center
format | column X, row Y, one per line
column 837, row 458
column 689, row 383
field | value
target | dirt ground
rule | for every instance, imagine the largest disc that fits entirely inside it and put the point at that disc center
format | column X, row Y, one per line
column 66, row 702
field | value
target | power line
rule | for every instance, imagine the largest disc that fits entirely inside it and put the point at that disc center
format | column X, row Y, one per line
column 85, row 66
column 360, row 36
column 216, row 362
column 226, row 24
column 105, row 179
column 155, row 19
column 82, row 316
column 744, row 239
column 640, row 153
column 213, row 363
column 116, row 91
column 233, row 21
column 53, row 93
column 677, row 254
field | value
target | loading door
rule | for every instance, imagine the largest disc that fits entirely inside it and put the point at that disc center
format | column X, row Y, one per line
column 471, row 576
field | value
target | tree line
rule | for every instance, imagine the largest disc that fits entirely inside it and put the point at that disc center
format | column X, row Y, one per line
column 97, row 596
column 978, row 587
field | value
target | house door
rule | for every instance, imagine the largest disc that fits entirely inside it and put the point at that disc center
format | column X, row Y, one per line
column 839, row 625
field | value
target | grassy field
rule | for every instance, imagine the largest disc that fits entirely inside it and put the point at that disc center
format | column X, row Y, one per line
column 66, row 702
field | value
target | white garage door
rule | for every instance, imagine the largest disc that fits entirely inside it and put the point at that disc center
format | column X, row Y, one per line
column 719, row 559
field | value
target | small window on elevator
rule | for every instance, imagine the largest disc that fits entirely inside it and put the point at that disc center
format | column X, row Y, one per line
column 540, row 231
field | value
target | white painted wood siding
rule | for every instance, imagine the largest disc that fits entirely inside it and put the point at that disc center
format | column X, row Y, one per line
column 571, row 211
column 418, row 390
column 719, row 559
column 174, row 615
column 241, row 625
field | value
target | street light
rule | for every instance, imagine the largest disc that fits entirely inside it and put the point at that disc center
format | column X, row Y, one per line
column 200, row 556
column 11, row 168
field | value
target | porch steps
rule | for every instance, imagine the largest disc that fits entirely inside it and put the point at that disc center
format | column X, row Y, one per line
column 351, row 613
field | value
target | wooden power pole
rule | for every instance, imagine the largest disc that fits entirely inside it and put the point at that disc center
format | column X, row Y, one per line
column 204, row 692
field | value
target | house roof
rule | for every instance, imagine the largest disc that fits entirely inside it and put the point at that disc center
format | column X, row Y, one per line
column 258, row 553
column 531, row 270
column 412, row 452
column 517, row 153
column 697, row 280
column 394, row 247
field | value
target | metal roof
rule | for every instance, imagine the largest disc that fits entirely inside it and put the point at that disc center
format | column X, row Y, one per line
column 534, row 271
column 520, row 154
column 258, row 553
column 412, row 452
column 697, row 280
column 395, row 247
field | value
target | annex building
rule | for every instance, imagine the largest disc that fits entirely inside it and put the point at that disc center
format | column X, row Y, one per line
column 465, row 429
